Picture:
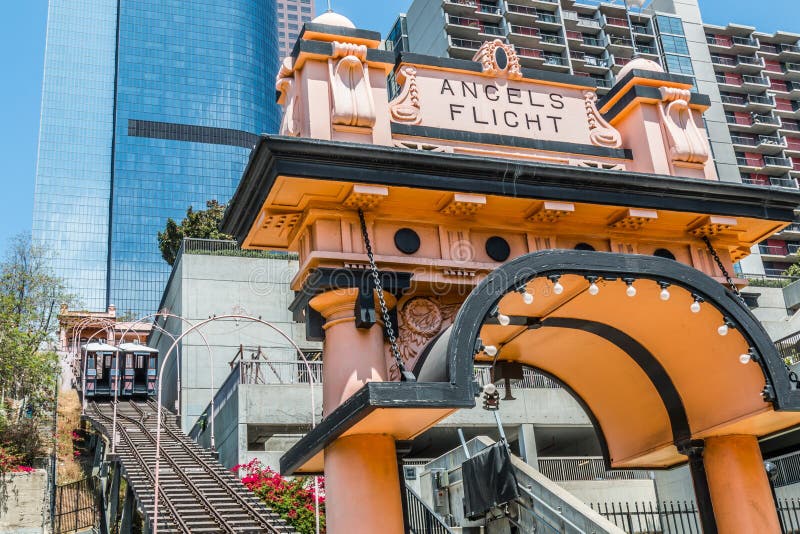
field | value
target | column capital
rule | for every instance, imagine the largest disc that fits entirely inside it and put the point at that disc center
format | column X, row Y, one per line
column 342, row 305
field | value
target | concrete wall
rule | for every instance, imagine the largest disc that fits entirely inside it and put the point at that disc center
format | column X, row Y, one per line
column 23, row 503
column 772, row 312
column 425, row 22
column 203, row 286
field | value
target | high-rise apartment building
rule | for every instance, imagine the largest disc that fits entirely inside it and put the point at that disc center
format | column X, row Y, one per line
column 148, row 107
column 586, row 38
column 759, row 79
column 292, row 14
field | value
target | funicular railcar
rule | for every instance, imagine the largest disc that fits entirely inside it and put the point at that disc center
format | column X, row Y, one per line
column 139, row 370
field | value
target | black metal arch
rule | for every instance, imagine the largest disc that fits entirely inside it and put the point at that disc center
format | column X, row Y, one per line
column 477, row 308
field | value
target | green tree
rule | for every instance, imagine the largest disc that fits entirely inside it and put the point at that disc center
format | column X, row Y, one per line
column 30, row 294
column 198, row 224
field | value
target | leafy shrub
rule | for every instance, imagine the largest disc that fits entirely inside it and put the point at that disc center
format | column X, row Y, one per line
column 293, row 498
column 22, row 441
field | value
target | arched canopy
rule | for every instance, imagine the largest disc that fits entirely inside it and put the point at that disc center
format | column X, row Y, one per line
column 651, row 370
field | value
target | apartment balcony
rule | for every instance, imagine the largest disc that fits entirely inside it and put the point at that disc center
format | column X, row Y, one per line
column 732, row 43
column 490, row 11
column 463, row 48
column 555, row 62
column 763, row 144
column 774, row 164
column 593, row 45
column 620, row 45
column 723, row 63
column 548, row 21
column 792, row 147
column 546, row 4
column 749, row 64
column 589, row 63
column 525, row 36
column 768, row 49
column 576, row 21
column 530, row 57
column 750, row 163
column 616, row 25
column 790, row 127
column 789, row 52
column 791, row 71
column 785, row 252
column 760, row 103
column 753, row 123
column 795, row 172
column 794, row 89
column 648, row 50
column 489, row 32
column 787, row 108
column 730, row 81
column 734, row 102
column 619, row 62
column 771, row 181
column 519, row 14
column 550, row 42
column 640, row 29
column 755, row 83
column 463, row 8
column 462, row 27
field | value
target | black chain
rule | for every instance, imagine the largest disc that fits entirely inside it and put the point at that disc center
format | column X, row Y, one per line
column 387, row 320
column 722, row 268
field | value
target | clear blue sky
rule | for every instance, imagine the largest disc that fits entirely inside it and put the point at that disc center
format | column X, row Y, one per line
column 22, row 40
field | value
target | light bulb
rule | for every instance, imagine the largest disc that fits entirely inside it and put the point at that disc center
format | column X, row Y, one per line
column 664, row 294
column 527, row 298
column 490, row 350
column 695, row 307
column 594, row 289
column 631, row 291
column 504, row 320
column 744, row 359
column 490, row 389
column 558, row 288
column 723, row 330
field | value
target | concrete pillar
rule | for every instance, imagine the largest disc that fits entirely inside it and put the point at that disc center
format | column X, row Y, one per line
column 361, row 475
column 738, row 484
column 527, row 445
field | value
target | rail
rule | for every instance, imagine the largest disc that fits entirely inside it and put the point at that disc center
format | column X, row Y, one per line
column 789, row 348
column 269, row 372
column 220, row 247
column 421, row 518
column 530, row 379
column 663, row 518
column 585, row 468
column 788, row 464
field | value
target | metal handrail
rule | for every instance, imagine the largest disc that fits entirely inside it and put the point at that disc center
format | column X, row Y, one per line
column 563, row 468
column 421, row 517
column 564, row 520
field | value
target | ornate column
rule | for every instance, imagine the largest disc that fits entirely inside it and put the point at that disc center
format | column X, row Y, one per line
column 740, row 490
column 361, row 476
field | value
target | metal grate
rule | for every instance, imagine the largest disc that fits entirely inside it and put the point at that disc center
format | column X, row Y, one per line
column 76, row 506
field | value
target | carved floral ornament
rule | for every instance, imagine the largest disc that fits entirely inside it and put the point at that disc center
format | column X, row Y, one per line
column 287, row 88
column 499, row 59
column 687, row 143
column 601, row 133
column 405, row 108
column 351, row 92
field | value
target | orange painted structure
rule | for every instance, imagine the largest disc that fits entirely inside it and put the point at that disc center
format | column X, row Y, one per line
column 477, row 182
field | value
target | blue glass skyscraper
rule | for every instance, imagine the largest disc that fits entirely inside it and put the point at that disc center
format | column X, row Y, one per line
column 149, row 106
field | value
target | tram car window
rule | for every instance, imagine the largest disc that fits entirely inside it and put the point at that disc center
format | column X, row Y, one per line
column 99, row 378
column 141, row 370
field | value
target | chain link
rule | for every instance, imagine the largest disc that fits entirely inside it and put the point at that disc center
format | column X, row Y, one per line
column 387, row 320
column 722, row 268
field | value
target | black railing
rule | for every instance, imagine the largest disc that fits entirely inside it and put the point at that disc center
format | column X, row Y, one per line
column 789, row 348
column 666, row 518
column 789, row 510
column 76, row 507
column 421, row 519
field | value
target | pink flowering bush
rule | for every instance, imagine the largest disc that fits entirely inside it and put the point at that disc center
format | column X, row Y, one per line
column 292, row 499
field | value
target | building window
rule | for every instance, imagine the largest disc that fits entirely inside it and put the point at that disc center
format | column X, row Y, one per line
column 679, row 64
column 664, row 253
column 674, row 45
column 671, row 25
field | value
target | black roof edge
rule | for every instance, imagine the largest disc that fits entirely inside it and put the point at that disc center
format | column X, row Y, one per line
column 404, row 167
column 340, row 30
column 646, row 91
column 639, row 73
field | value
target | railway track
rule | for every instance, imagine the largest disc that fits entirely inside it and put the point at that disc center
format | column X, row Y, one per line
column 196, row 494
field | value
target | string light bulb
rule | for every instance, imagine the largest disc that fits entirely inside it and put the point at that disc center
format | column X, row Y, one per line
column 527, row 296
column 745, row 358
column 664, row 295
column 557, row 287
column 631, row 291
column 695, row 307
column 503, row 319
column 490, row 350
column 723, row 329
column 594, row 289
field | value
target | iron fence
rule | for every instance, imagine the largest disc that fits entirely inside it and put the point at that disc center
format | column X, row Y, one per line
column 530, row 379
column 221, row 247
column 76, row 507
column 788, row 469
column 291, row 372
column 648, row 518
column 585, row 468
